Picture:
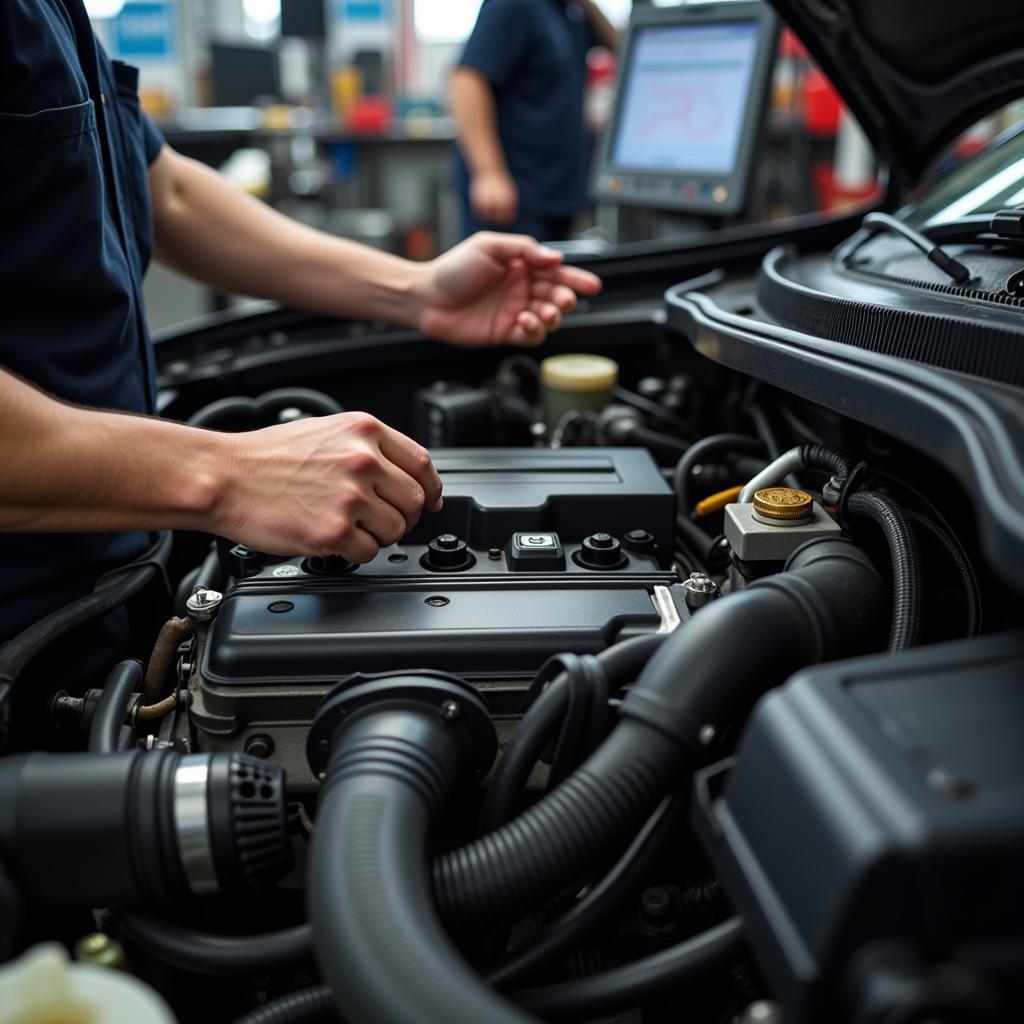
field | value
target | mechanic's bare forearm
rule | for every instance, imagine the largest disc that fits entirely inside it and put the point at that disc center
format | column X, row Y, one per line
column 477, row 122
column 71, row 469
column 212, row 231
column 604, row 31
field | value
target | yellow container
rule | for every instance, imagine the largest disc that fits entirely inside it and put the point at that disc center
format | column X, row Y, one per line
column 578, row 382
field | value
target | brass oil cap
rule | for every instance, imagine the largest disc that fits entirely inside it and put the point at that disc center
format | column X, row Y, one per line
column 782, row 504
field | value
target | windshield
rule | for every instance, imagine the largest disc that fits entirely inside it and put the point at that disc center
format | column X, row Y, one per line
column 991, row 181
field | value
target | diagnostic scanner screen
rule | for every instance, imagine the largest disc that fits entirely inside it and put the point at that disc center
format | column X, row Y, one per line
column 684, row 102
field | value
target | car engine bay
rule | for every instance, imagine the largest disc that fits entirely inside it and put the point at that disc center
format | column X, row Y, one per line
column 701, row 704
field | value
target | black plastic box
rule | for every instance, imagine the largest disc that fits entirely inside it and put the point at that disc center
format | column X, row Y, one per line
column 877, row 798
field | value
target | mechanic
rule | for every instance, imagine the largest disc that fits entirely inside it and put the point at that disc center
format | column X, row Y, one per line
column 517, row 96
column 87, row 187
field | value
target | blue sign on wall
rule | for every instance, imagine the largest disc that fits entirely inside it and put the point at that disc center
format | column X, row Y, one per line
column 145, row 30
column 364, row 10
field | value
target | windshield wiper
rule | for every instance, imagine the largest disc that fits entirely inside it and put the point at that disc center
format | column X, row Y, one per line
column 876, row 222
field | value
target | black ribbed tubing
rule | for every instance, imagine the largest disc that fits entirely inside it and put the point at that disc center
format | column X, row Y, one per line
column 827, row 457
column 947, row 540
column 203, row 953
column 601, row 903
column 310, row 1006
column 708, row 673
column 377, row 938
column 906, row 563
column 621, row 662
column 124, row 679
column 632, row 984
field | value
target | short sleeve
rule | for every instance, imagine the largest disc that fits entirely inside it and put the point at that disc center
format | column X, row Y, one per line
column 152, row 139
column 499, row 40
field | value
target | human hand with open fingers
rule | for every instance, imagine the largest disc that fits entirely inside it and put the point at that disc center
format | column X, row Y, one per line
column 334, row 485
column 495, row 289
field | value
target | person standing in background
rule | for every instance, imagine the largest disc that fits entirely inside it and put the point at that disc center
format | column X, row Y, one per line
column 517, row 96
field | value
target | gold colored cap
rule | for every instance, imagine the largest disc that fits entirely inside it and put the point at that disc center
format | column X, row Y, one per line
column 579, row 373
column 782, row 503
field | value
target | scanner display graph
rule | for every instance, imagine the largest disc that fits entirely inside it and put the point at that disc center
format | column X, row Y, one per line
column 685, row 99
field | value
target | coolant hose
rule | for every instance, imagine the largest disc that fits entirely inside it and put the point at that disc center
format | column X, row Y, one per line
column 220, row 955
column 708, row 448
column 622, row 663
column 112, row 590
column 604, row 994
column 105, row 729
column 603, row 901
column 829, row 604
column 308, row 1006
column 377, row 938
column 904, row 558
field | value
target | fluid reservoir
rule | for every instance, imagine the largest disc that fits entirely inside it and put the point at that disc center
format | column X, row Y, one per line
column 575, row 382
column 42, row 986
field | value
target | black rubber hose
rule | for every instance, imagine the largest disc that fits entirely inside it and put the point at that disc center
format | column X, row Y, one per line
column 706, row 449
column 696, row 542
column 906, row 563
column 826, row 606
column 222, row 410
column 252, row 412
column 105, row 730
column 665, row 446
column 600, row 904
column 622, row 662
column 111, row 591
column 765, row 431
column 310, row 1006
column 377, row 938
column 947, row 540
column 307, row 399
column 231, row 955
column 635, row 983
column 827, row 457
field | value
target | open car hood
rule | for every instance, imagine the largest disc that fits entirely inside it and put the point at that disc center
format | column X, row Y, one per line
column 914, row 72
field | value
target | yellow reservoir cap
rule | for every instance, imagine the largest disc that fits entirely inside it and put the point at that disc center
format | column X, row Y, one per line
column 782, row 503
column 579, row 373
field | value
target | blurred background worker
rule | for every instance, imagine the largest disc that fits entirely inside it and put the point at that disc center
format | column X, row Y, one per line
column 517, row 97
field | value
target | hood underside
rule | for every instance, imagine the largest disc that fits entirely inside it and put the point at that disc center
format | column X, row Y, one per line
column 915, row 73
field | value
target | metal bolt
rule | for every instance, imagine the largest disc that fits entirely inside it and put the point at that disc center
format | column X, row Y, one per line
column 494, row 554
column 639, row 537
column 707, row 735
column 450, row 710
column 699, row 590
column 94, row 943
column 100, row 950
column 203, row 604
column 65, row 708
column 290, row 414
column 259, row 745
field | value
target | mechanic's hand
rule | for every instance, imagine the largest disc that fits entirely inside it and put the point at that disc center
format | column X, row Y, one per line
column 493, row 197
column 334, row 485
column 495, row 289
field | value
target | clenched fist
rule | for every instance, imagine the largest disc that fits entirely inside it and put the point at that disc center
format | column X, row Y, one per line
column 336, row 485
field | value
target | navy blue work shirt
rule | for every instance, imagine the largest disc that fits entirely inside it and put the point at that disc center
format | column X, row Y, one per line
column 533, row 53
column 75, row 239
